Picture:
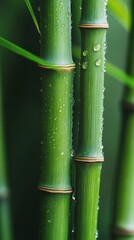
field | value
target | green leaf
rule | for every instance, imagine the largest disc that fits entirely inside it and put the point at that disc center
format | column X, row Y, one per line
column 121, row 12
column 29, row 6
column 24, row 53
column 119, row 75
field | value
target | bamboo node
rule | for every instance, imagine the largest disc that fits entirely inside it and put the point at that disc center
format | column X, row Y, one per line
column 89, row 159
column 52, row 190
column 122, row 232
column 94, row 25
column 66, row 68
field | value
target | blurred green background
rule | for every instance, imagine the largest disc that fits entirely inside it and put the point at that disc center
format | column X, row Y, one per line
column 22, row 119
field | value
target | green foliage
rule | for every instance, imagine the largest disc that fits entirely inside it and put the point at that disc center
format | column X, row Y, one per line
column 24, row 53
column 29, row 6
column 119, row 75
column 121, row 12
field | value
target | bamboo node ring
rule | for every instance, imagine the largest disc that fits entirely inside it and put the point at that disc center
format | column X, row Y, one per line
column 89, row 159
column 52, row 190
column 66, row 68
column 94, row 25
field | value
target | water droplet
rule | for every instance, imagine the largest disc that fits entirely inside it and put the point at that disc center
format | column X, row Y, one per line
column 38, row 8
column 103, row 90
column 96, row 235
column 73, row 196
column 49, row 221
column 80, row 8
column 98, row 62
column 62, row 153
column 41, row 90
column 73, row 230
column 105, row 2
column 84, row 65
column 96, row 47
column 72, row 153
column 85, row 53
column 41, row 142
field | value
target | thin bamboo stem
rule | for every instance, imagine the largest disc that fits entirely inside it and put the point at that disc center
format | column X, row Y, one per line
column 89, row 155
column 56, row 91
column 5, row 227
column 124, row 199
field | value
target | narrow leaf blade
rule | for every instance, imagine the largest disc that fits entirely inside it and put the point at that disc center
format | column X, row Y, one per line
column 121, row 12
column 119, row 75
column 24, row 53
column 29, row 6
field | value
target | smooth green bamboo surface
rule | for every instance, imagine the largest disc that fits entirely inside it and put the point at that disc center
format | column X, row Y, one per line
column 91, row 118
column 5, row 228
column 56, row 91
column 124, row 199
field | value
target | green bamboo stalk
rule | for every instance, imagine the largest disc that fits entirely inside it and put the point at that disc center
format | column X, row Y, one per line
column 89, row 155
column 56, row 91
column 5, row 228
column 124, row 200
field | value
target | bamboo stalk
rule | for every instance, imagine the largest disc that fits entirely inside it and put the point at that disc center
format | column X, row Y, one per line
column 5, row 228
column 56, row 91
column 124, row 199
column 89, row 155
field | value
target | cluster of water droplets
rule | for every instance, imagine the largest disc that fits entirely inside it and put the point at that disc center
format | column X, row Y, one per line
column 105, row 48
column 96, row 48
column 105, row 7
column 85, row 63
column 96, row 234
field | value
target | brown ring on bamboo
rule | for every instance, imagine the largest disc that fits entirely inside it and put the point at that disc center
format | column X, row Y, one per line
column 89, row 159
column 122, row 232
column 94, row 25
column 128, row 106
column 52, row 190
column 66, row 68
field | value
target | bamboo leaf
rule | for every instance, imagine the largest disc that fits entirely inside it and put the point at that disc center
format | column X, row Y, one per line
column 121, row 12
column 29, row 6
column 119, row 75
column 24, row 53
